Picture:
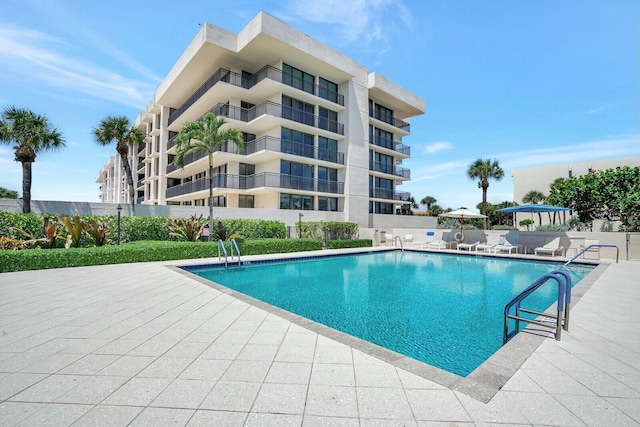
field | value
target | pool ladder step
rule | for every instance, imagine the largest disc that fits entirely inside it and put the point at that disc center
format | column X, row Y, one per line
column 223, row 250
column 558, row 322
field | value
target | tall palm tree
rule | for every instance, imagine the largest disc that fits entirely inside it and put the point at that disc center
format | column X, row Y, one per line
column 536, row 197
column 484, row 170
column 118, row 129
column 205, row 136
column 31, row 133
column 428, row 201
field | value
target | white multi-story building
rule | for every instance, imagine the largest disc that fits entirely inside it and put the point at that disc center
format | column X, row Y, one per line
column 322, row 133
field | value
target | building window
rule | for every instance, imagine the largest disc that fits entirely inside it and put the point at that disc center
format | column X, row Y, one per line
column 298, row 111
column 328, row 119
column 380, row 137
column 380, row 112
column 328, row 90
column 245, row 201
column 380, row 188
column 327, row 179
column 219, row 201
column 327, row 149
column 199, row 202
column 327, row 204
column 297, row 78
column 296, row 142
column 381, row 162
column 381, row 208
column 296, row 175
column 296, row 201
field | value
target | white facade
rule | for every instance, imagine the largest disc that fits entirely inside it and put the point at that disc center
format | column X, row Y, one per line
column 322, row 133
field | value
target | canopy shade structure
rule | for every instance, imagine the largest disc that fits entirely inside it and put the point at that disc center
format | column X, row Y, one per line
column 534, row 208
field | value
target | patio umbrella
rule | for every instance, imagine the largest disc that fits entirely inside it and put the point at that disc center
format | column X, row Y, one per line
column 533, row 208
column 462, row 214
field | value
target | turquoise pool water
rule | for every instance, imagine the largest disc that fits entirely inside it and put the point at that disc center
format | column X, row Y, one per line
column 444, row 310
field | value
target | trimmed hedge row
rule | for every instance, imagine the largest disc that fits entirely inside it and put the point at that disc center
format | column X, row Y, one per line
column 357, row 243
column 143, row 251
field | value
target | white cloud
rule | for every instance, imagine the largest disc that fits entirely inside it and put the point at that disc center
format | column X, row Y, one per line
column 368, row 20
column 436, row 147
column 39, row 57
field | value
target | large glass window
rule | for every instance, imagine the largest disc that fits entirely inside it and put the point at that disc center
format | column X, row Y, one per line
column 327, row 119
column 327, row 204
column 381, row 208
column 380, row 137
column 296, row 201
column 327, row 149
column 296, row 142
column 380, row 188
column 381, row 162
column 296, row 110
column 245, row 201
column 328, row 90
column 296, row 175
column 297, row 78
column 380, row 112
column 327, row 179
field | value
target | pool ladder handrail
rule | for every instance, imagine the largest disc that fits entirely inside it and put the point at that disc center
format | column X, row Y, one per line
column 563, row 280
column 595, row 245
column 233, row 244
column 399, row 239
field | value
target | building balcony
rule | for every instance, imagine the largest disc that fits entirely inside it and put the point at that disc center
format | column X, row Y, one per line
column 247, row 82
column 266, row 179
column 141, row 147
column 277, row 110
column 402, row 149
column 390, row 169
column 140, row 166
column 390, row 120
column 388, row 194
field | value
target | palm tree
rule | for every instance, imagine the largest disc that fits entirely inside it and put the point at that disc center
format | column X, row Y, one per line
column 484, row 170
column 428, row 201
column 536, row 197
column 31, row 133
column 118, row 129
column 205, row 136
column 435, row 210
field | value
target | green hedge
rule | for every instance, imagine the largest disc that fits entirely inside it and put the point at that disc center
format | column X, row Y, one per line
column 143, row 251
column 357, row 243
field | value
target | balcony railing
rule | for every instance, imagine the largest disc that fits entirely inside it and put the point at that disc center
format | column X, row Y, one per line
column 390, row 169
column 140, row 183
column 390, row 144
column 141, row 147
column 385, row 193
column 266, row 72
column 270, row 143
column 266, row 179
column 277, row 110
column 389, row 119
column 140, row 166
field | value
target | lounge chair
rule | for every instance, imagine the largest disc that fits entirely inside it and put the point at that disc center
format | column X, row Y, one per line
column 408, row 240
column 445, row 242
column 388, row 239
column 508, row 245
column 551, row 246
column 430, row 235
column 474, row 241
column 493, row 240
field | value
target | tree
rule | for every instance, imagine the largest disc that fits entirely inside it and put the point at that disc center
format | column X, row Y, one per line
column 205, row 136
column 485, row 170
column 406, row 208
column 435, row 210
column 31, row 133
column 428, row 201
column 612, row 194
column 536, row 197
column 118, row 129
column 8, row 194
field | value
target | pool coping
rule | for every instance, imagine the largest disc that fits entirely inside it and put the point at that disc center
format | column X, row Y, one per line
column 481, row 384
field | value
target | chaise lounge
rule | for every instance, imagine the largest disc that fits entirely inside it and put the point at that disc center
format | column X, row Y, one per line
column 551, row 246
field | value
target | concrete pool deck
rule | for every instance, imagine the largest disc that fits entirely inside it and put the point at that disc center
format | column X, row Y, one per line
column 144, row 344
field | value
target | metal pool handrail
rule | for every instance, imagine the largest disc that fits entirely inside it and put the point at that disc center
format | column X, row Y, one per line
column 563, row 280
column 235, row 244
column 595, row 245
column 221, row 245
column 399, row 239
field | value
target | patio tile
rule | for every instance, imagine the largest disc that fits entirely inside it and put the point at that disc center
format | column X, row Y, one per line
column 52, row 363
column 92, row 390
column 11, row 413
column 165, row 367
column 205, row 369
column 181, row 393
column 119, row 347
column 258, row 352
column 594, row 410
column 333, row 374
column 542, row 409
column 317, row 421
column 289, row 373
column 222, row 351
column 55, row 414
column 334, row 354
column 499, row 410
column 90, row 364
column 15, row 383
column 203, row 418
column 127, row 366
column 369, row 422
column 186, row 349
column 301, row 338
column 295, row 353
column 49, row 388
column 383, row 403
column 281, row 398
column 412, row 381
column 138, row 392
column 629, row 406
column 105, row 416
column 152, row 348
column 256, row 420
column 436, row 405
column 336, row 401
column 232, row 396
column 247, row 370
column 160, row 417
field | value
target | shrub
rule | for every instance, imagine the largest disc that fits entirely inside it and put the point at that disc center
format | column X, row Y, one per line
column 552, row 227
column 332, row 230
column 187, row 228
column 29, row 222
column 354, row 243
column 274, row 246
column 503, row 227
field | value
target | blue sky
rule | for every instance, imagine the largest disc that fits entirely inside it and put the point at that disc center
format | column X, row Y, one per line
column 528, row 83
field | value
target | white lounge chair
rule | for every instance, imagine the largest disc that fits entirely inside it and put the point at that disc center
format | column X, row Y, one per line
column 445, row 242
column 551, row 246
column 388, row 239
column 493, row 240
column 408, row 240
column 508, row 245
column 430, row 235
column 474, row 241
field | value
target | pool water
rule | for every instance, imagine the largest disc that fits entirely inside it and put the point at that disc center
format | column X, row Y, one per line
column 441, row 309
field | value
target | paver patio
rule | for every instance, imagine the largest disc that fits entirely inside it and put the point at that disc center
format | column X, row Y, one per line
column 142, row 344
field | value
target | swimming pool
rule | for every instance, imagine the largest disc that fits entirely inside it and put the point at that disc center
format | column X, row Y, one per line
column 441, row 309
